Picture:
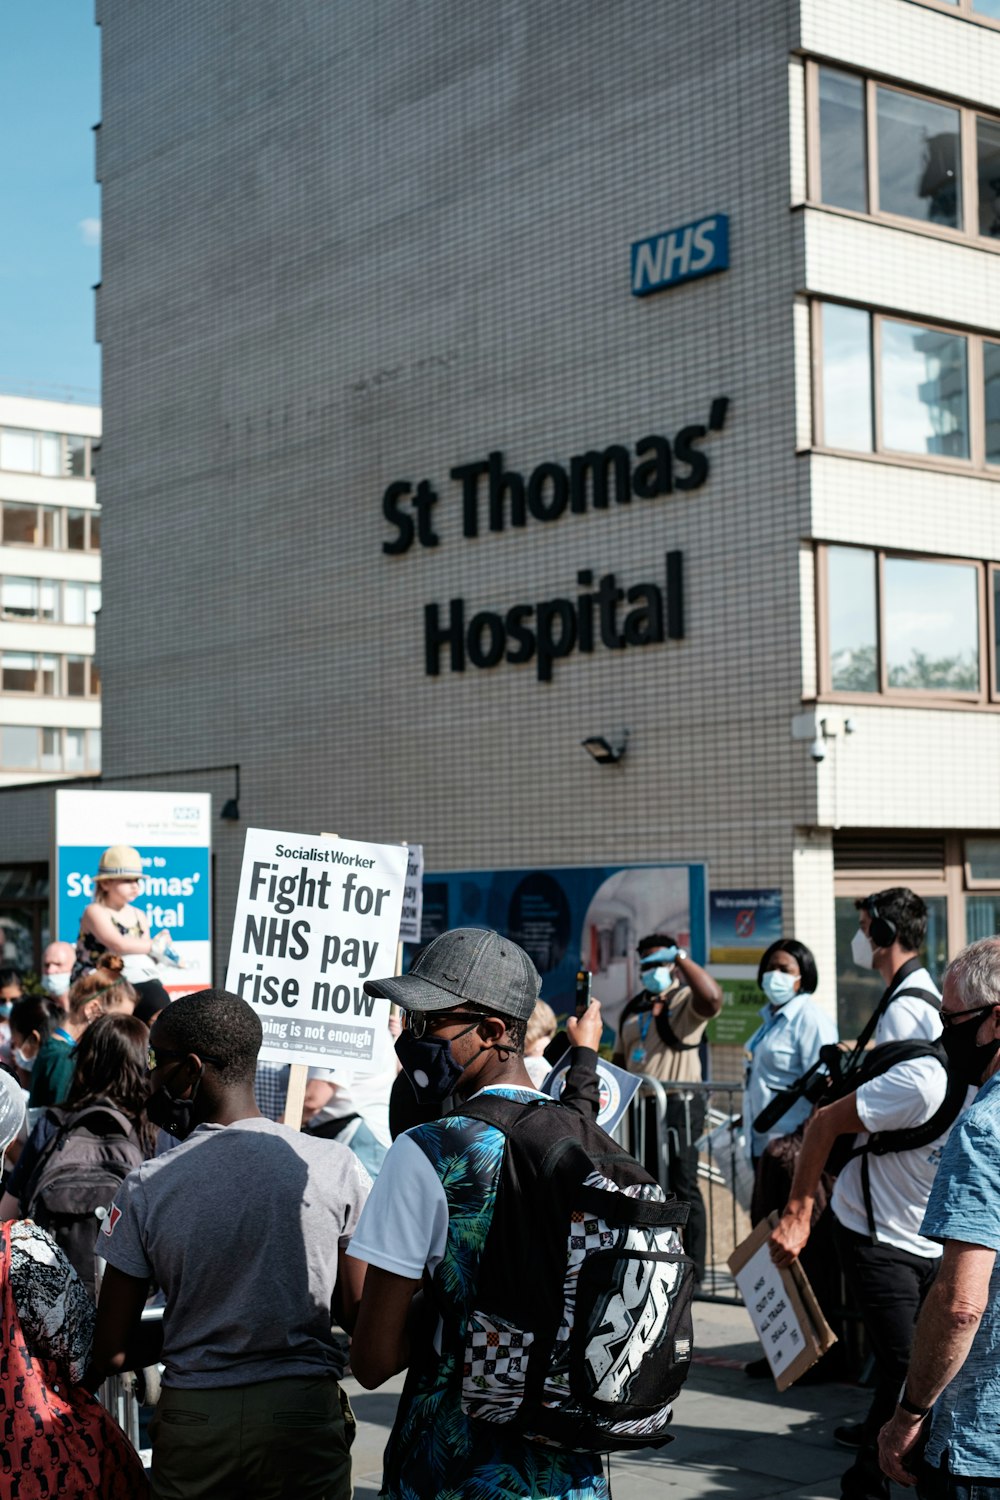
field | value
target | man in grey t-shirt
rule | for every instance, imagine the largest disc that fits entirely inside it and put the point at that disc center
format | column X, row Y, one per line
column 243, row 1226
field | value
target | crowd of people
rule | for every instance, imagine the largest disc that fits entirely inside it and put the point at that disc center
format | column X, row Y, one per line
column 380, row 1233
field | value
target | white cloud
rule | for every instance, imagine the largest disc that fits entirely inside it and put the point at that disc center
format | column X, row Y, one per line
column 90, row 230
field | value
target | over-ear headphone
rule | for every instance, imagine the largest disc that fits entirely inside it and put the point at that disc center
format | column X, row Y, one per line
column 881, row 930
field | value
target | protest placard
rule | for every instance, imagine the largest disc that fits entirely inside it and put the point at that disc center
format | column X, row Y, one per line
column 316, row 917
column 782, row 1307
column 616, row 1089
column 413, row 896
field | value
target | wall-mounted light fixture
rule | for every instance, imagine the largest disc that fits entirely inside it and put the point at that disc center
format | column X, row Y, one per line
column 606, row 752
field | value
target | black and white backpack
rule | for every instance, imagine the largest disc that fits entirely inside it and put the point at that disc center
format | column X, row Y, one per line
column 580, row 1335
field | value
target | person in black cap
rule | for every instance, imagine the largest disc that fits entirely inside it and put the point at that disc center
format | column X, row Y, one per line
column 467, row 1002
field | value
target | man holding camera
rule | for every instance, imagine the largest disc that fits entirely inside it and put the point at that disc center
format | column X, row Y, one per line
column 879, row 1199
column 660, row 1036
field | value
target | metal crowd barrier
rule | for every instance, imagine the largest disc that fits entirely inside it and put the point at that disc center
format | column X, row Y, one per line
column 725, row 1179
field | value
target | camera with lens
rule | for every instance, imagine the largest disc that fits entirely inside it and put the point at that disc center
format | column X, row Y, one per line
column 823, row 1083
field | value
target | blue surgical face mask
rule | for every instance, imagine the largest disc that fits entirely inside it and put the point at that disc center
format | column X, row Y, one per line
column 778, row 987
column 26, row 1064
column 656, row 981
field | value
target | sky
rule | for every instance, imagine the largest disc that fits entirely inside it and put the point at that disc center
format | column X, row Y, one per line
column 50, row 237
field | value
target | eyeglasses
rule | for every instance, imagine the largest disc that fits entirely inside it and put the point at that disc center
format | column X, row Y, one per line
column 156, row 1055
column 953, row 1017
column 419, row 1021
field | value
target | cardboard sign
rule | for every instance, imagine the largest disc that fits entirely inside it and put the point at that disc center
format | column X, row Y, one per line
column 782, row 1305
column 413, row 896
column 315, row 918
column 617, row 1089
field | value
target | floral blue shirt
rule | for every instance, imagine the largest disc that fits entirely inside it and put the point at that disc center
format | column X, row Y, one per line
column 964, row 1205
column 434, row 1449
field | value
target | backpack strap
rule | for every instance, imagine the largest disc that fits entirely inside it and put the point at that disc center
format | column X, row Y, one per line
column 91, row 1113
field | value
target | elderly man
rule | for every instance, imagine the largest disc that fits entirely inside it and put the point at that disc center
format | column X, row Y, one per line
column 57, row 964
column 955, row 1368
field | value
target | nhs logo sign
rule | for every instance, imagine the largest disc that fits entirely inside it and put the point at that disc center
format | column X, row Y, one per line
column 677, row 255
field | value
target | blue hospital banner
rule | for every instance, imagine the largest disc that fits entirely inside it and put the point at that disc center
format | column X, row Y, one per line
column 675, row 255
column 172, row 833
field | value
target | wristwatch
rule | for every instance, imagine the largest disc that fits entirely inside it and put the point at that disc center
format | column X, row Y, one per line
column 910, row 1407
column 681, row 953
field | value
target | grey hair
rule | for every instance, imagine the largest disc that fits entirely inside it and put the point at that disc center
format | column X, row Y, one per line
column 975, row 973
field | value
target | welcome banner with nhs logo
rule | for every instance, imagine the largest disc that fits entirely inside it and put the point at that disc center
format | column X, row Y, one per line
column 172, row 832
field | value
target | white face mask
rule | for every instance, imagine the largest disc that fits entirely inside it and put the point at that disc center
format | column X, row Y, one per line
column 55, row 984
column 778, row 986
column 26, row 1064
column 861, row 950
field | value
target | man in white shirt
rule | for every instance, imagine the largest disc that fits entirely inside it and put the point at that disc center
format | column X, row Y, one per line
column 892, row 926
column 878, row 1206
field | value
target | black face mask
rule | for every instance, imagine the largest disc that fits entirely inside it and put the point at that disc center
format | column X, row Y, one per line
column 173, row 1115
column 967, row 1058
column 430, row 1065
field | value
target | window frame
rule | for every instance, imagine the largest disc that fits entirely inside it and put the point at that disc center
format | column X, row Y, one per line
column 89, row 768
column 961, row 10
column 976, row 463
column 982, row 698
column 90, row 445
column 967, row 232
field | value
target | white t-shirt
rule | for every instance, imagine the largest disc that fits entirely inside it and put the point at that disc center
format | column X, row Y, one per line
column 905, row 1096
column 908, row 1018
column 367, row 1097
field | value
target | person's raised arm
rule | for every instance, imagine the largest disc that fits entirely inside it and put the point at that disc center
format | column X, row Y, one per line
column 582, row 1088
column 706, row 993
column 791, row 1235
column 945, row 1329
column 380, row 1346
column 119, row 1311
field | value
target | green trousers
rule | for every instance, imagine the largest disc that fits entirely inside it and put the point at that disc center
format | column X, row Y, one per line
column 276, row 1440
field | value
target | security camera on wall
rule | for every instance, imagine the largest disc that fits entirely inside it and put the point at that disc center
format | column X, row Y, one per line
column 818, row 748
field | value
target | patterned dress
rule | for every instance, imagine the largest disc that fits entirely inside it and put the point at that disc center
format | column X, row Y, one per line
column 434, row 1449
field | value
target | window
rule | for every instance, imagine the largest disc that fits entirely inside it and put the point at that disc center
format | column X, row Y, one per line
column 81, row 682
column 18, row 672
column 987, row 11
column 888, row 151
column 884, row 386
column 899, row 625
column 30, row 525
column 27, row 748
column 29, row 599
column 49, row 453
column 83, row 531
column 81, row 601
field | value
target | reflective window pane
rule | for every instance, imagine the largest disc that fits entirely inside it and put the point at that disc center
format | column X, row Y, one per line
column 852, row 620
column 17, row 451
column 48, row 599
column 842, row 140
column 982, row 917
column 983, row 858
column 74, row 603
column 931, row 615
column 95, row 531
column 989, row 8
column 20, row 525
column 75, row 740
column 919, row 159
column 49, row 526
column 995, row 581
column 76, row 456
column 991, row 402
column 51, row 749
column 847, row 378
column 50, row 676
column 76, row 530
column 94, row 749
column 988, row 175
column 76, row 676
column 19, row 598
column 19, row 747
column 95, row 679
column 93, row 602
column 17, row 672
column 925, row 407
column 50, row 444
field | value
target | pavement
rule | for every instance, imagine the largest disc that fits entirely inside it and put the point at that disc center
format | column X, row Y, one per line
column 733, row 1436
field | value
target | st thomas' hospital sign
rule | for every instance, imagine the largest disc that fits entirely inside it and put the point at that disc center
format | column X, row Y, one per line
column 495, row 497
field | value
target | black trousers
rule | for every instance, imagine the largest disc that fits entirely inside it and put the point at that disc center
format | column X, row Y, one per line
column 685, row 1123
column 889, row 1286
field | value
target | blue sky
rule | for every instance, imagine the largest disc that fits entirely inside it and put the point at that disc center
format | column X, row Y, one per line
column 49, row 247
